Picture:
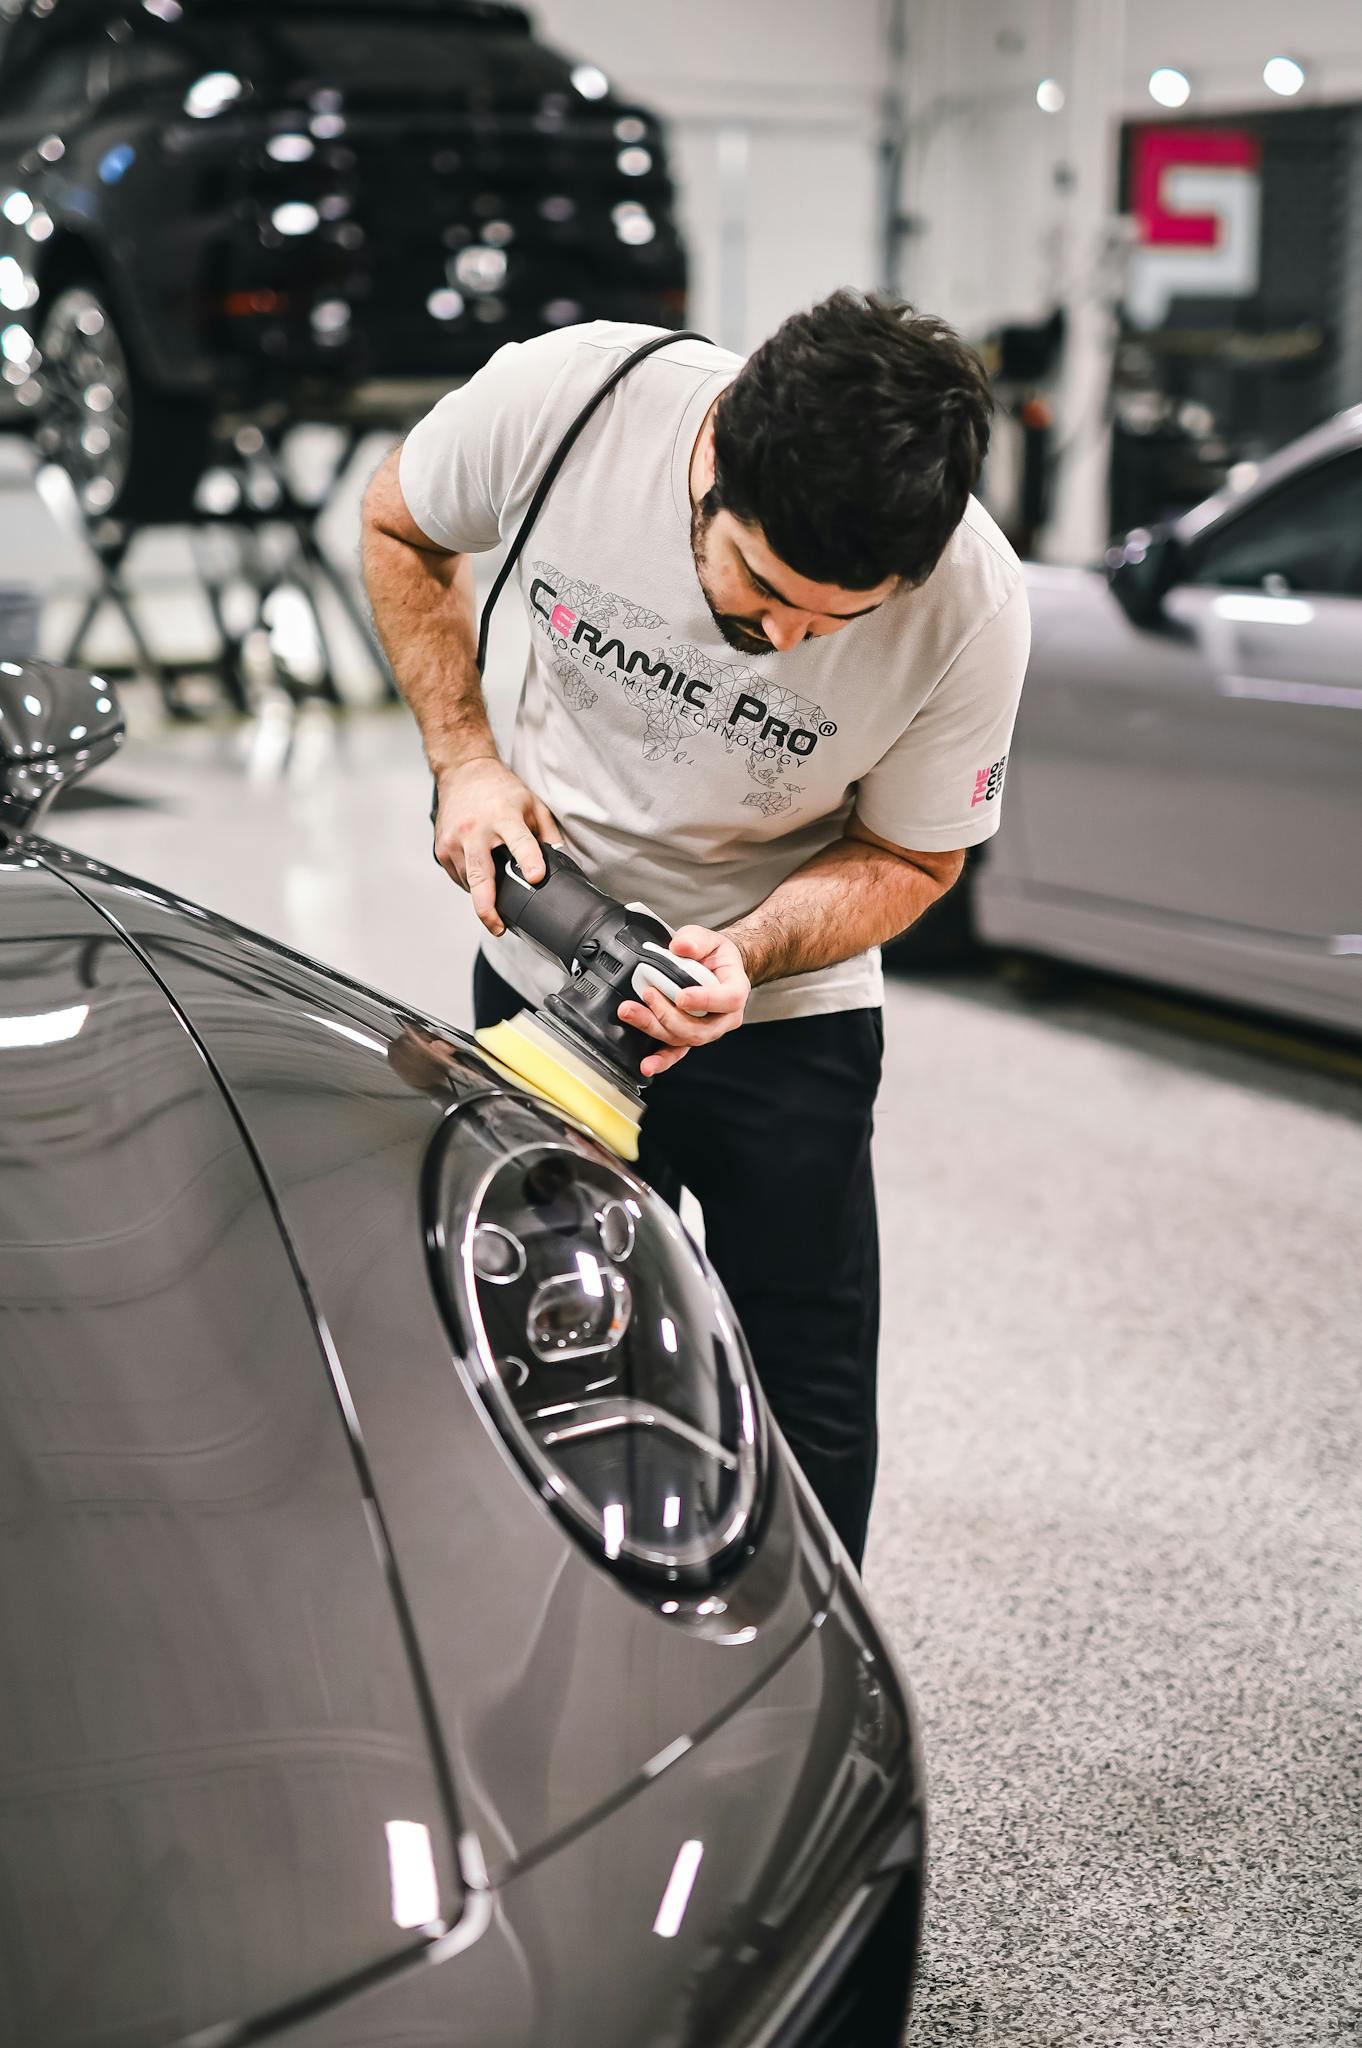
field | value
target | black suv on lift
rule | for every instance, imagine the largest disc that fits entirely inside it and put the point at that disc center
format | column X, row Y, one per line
column 330, row 207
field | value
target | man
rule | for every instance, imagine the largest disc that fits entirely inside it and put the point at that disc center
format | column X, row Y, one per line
column 776, row 650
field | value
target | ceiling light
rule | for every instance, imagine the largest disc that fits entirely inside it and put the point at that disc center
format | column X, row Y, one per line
column 479, row 269
column 612, row 1527
column 1283, row 75
column 676, row 1897
column 411, row 1864
column 290, row 149
column 50, row 1027
column 1049, row 96
column 115, row 163
column 331, row 316
column 219, row 492
column 633, row 223
column 211, row 93
column 296, row 217
column 1170, row 88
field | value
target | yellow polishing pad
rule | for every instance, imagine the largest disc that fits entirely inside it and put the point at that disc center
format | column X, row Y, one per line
column 539, row 1058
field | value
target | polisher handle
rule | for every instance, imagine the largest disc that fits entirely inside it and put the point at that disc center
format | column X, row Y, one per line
column 672, row 974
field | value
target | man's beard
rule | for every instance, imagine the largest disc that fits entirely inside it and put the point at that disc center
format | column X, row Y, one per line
column 735, row 631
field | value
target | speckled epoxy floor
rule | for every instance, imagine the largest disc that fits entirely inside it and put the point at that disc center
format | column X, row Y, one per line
column 1117, row 1534
column 1117, row 1537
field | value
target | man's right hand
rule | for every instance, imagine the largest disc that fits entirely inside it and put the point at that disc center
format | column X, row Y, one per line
column 482, row 805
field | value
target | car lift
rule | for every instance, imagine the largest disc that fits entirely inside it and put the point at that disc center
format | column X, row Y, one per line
column 244, row 494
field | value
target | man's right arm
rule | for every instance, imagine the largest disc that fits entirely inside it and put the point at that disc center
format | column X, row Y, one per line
column 424, row 611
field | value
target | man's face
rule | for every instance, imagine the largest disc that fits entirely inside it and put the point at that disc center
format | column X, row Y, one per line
column 759, row 605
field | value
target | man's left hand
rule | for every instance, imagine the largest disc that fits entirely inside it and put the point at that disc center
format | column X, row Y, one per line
column 679, row 1025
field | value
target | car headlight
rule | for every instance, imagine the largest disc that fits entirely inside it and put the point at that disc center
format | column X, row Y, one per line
column 598, row 1339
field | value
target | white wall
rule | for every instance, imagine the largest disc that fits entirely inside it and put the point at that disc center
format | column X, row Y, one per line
column 774, row 107
column 1001, row 190
column 1014, row 209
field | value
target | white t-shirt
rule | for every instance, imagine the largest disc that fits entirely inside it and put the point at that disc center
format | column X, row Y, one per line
column 686, row 775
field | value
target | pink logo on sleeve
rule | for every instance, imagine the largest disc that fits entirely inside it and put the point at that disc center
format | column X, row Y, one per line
column 988, row 783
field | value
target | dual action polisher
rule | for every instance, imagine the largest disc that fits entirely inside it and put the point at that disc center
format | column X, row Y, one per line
column 575, row 1051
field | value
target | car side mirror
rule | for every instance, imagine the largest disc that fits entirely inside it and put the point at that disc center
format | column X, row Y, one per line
column 56, row 724
column 1142, row 569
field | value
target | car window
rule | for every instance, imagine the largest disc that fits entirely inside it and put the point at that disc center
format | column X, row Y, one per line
column 56, row 84
column 371, row 53
column 150, row 61
column 1308, row 534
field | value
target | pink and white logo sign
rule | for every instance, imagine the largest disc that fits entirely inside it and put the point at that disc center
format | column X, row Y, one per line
column 1196, row 197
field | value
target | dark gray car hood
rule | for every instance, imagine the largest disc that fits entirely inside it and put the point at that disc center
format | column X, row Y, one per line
column 209, row 1713
column 555, row 1685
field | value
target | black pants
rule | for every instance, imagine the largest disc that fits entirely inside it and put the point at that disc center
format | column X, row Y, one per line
column 770, row 1130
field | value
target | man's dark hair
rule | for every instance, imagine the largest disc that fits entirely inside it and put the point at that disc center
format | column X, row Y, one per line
column 853, row 438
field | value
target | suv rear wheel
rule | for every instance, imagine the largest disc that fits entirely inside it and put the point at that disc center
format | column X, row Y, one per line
column 132, row 452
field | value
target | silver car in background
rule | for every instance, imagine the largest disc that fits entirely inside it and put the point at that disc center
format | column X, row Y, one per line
column 1185, row 794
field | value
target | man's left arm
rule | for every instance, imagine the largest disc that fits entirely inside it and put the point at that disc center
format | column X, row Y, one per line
column 939, row 787
column 859, row 892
